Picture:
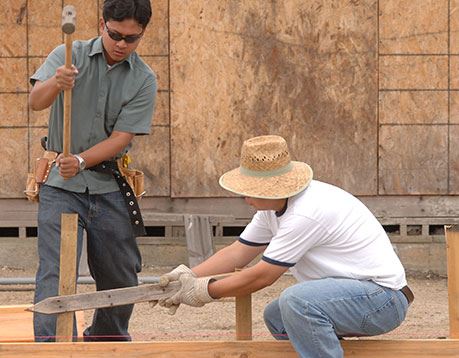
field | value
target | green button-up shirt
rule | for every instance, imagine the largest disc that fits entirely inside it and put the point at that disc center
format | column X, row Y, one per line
column 105, row 99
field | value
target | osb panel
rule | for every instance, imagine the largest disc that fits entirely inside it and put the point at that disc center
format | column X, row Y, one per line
column 413, row 72
column 35, row 148
column 87, row 19
column 413, row 107
column 160, row 65
column 454, row 159
column 13, row 75
column 161, row 116
column 413, row 26
column 45, row 21
column 13, row 109
column 155, row 40
column 454, row 107
column 413, row 159
column 455, row 72
column 454, row 25
column 151, row 155
column 305, row 70
column 13, row 171
column 13, row 28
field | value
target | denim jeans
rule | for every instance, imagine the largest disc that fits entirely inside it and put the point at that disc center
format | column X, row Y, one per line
column 113, row 257
column 314, row 315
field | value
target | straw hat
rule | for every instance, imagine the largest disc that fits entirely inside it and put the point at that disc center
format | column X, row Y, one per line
column 266, row 170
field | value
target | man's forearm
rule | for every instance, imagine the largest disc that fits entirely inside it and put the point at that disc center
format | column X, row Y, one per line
column 43, row 94
column 106, row 149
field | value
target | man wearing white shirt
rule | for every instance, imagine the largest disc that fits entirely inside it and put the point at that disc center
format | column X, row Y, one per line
column 350, row 281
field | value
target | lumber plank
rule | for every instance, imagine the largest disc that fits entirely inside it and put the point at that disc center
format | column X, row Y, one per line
column 452, row 254
column 228, row 349
column 106, row 298
column 411, row 348
column 67, row 273
column 16, row 324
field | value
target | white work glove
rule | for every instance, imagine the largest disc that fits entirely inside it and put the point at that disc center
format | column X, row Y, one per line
column 164, row 280
column 174, row 275
column 194, row 292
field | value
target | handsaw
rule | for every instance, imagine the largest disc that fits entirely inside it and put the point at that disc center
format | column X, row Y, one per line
column 109, row 298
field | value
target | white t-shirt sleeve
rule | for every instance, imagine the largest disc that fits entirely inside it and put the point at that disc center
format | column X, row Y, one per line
column 257, row 232
column 295, row 237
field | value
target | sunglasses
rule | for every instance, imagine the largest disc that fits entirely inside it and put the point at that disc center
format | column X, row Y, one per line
column 118, row 37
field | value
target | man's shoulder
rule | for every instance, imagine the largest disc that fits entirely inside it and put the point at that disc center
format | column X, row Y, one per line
column 140, row 65
column 85, row 45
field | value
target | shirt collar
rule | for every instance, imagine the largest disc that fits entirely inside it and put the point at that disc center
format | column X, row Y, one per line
column 97, row 48
column 283, row 210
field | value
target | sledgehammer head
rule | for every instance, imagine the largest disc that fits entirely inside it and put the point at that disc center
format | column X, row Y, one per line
column 68, row 19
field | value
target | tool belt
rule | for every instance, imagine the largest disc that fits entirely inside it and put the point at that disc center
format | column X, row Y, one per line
column 39, row 175
column 123, row 177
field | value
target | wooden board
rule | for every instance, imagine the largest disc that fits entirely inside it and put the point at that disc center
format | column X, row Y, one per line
column 228, row 349
column 16, row 324
column 67, row 273
column 313, row 81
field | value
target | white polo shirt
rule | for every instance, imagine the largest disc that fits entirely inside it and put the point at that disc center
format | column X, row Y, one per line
column 327, row 232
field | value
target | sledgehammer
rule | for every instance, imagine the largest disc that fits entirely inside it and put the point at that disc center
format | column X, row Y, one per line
column 68, row 28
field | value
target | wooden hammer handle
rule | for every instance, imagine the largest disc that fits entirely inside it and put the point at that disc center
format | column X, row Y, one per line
column 68, row 27
column 67, row 98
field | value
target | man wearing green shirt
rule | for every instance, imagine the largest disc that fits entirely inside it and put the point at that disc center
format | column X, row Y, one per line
column 113, row 96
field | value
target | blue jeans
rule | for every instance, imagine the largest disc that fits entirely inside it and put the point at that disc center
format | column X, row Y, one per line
column 113, row 257
column 314, row 315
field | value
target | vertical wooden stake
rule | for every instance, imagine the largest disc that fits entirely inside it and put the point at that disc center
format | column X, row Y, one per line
column 452, row 252
column 244, row 317
column 67, row 273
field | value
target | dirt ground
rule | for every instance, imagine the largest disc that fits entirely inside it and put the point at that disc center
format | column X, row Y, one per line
column 427, row 316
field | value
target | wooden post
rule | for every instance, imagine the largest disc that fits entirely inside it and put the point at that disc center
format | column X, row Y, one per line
column 452, row 252
column 67, row 273
column 244, row 317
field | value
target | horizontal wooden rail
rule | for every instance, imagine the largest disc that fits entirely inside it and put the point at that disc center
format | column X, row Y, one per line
column 229, row 349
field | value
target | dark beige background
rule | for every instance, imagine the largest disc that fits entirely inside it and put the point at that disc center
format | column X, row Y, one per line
column 366, row 91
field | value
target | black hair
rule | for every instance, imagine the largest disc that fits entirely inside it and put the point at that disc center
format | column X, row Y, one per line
column 119, row 10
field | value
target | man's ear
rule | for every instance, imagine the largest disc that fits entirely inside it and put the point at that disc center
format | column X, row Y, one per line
column 101, row 25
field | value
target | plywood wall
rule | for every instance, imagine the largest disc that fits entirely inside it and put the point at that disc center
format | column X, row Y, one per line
column 366, row 91
column 30, row 30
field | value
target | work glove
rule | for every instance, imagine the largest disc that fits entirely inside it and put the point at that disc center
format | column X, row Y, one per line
column 193, row 292
column 174, row 275
column 164, row 281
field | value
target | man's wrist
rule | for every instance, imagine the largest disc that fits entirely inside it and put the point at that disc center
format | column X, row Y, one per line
column 81, row 162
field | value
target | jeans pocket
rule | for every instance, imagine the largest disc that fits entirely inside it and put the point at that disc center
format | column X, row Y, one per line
column 383, row 319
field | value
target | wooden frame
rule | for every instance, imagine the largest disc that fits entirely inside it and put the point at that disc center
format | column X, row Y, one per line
column 361, row 348
column 229, row 349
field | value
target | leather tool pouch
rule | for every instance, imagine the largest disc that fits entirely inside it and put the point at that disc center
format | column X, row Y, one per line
column 134, row 177
column 39, row 175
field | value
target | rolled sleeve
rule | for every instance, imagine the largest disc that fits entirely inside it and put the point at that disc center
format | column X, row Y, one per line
column 136, row 116
column 47, row 70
